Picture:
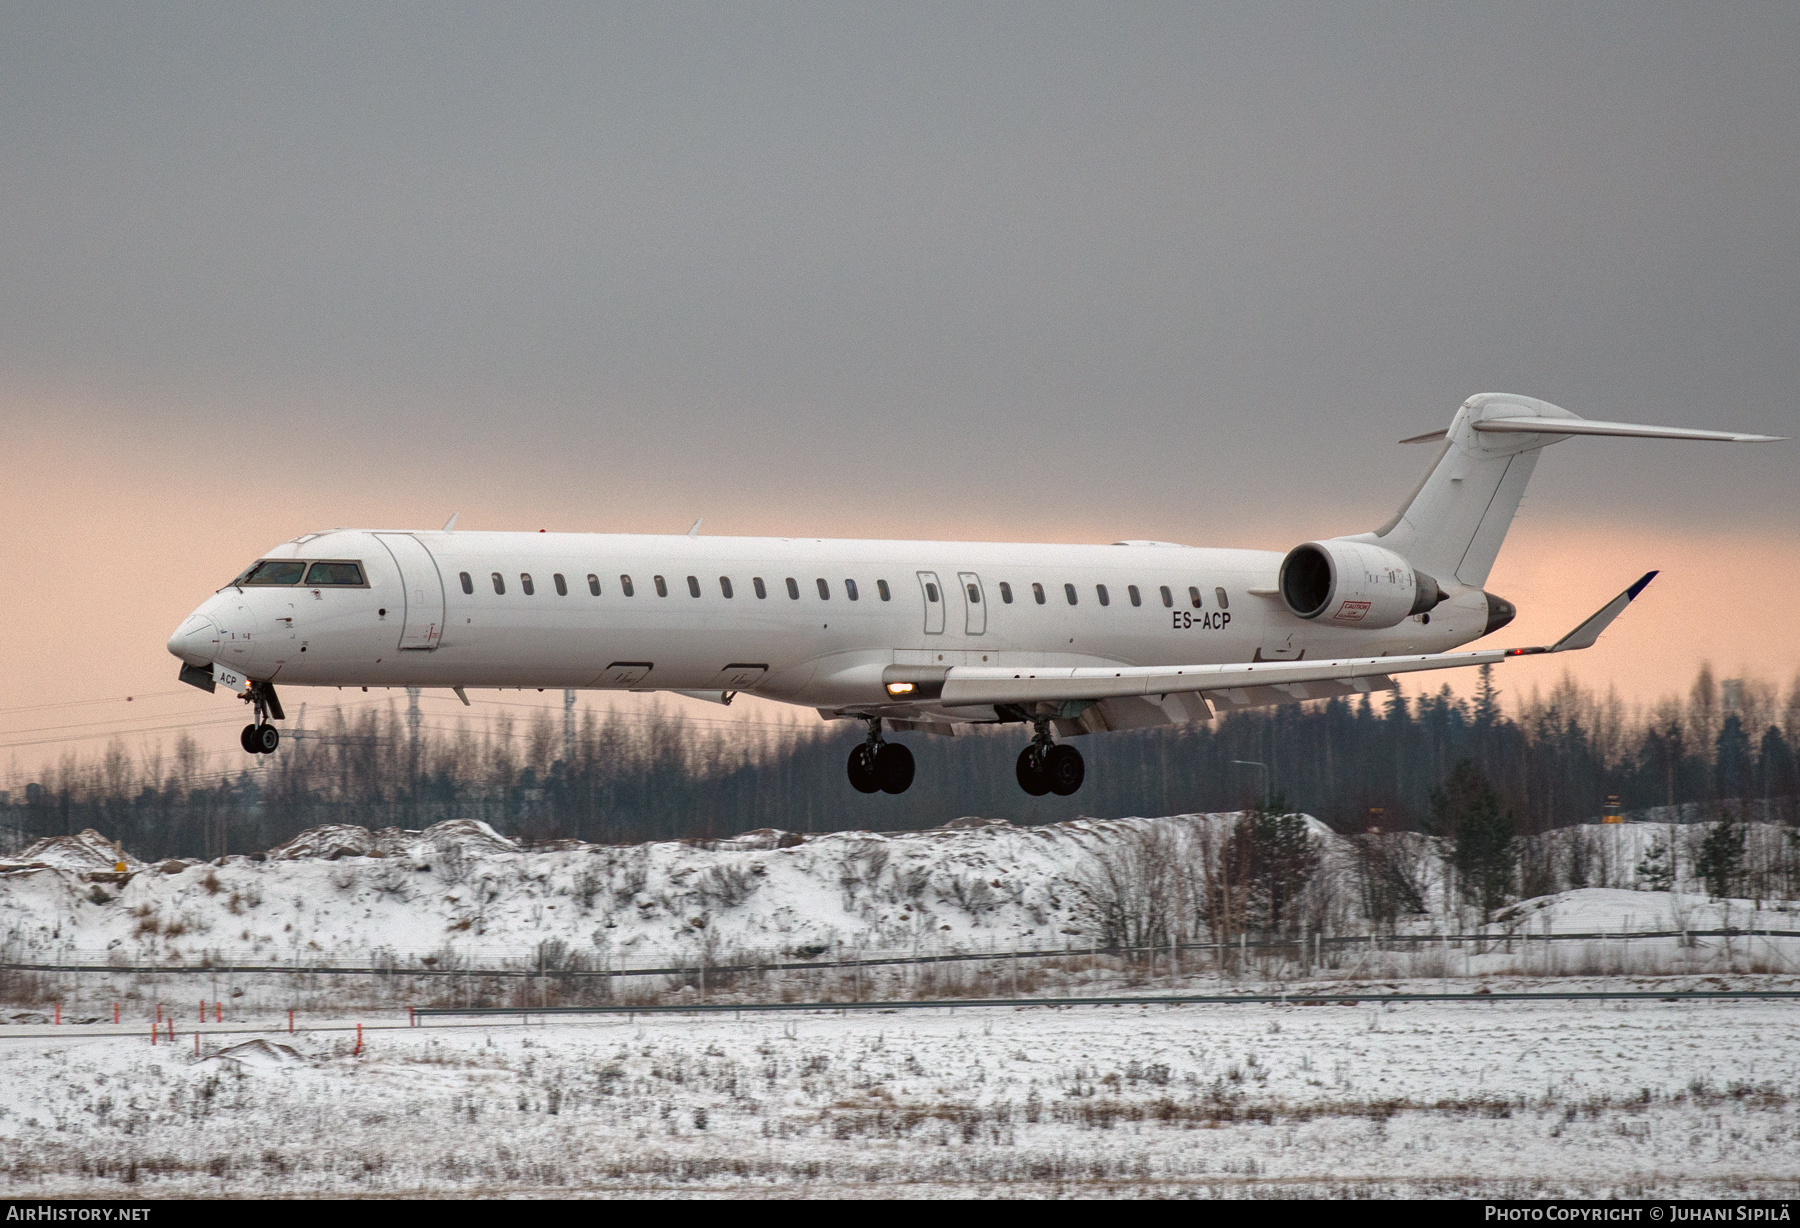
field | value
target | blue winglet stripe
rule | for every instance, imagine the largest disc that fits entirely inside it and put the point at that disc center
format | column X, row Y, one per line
column 1641, row 585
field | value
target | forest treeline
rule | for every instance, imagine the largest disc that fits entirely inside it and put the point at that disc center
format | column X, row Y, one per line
column 619, row 777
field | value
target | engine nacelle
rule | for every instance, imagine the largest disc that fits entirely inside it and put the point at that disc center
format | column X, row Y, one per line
column 1354, row 584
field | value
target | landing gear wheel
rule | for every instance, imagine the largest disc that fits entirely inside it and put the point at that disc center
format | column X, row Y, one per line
column 1064, row 770
column 267, row 739
column 1031, row 772
column 862, row 770
column 894, row 767
column 247, row 740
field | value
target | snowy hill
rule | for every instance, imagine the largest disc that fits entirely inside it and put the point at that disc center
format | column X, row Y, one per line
column 461, row 892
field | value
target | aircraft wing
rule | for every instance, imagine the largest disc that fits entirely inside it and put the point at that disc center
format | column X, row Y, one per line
column 968, row 685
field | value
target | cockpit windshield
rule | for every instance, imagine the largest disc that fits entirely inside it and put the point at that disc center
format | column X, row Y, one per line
column 336, row 573
column 272, row 571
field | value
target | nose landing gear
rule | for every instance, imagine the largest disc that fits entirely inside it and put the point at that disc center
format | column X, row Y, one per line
column 880, row 766
column 1045, row 767
column 260, row 737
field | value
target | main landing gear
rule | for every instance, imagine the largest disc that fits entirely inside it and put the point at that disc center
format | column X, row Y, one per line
column 260, row 737
column 880, row 766
column 1045, row 767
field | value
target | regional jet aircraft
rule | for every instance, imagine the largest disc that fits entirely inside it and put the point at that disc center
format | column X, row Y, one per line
column 924, row 636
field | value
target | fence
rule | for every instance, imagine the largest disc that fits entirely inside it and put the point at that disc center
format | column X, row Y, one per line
column 551, row 976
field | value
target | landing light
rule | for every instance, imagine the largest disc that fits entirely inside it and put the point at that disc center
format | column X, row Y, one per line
column 899, row 688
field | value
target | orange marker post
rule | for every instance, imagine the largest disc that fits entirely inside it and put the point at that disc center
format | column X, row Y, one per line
column 59, row 1014
column 359, row 1039
column 203, row 1010
column 115, row 1013
column 218, row 1012
column 290, row 1023
column 196, row 1044
column 171, row 1029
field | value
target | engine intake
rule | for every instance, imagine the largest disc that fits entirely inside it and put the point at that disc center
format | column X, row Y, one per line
column 1353, row 584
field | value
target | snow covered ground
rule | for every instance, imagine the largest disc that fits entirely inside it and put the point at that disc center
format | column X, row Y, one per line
column 1508, row 1099
column 1564, row 1099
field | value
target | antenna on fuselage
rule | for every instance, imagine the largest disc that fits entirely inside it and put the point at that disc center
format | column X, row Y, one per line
column 450, row 524
column 695, row 531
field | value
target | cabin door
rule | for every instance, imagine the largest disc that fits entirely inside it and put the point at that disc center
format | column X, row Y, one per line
column 423, row 620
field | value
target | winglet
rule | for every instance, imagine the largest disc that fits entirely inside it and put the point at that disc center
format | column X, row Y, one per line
column 460, row 693
column 1589, row 631
column 450, row 524
column 695, row 531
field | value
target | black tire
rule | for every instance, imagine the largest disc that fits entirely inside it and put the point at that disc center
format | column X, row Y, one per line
column 1031, row 773
column 862, row 770
column 267, row 739
column 247, row 740
column 1064, row 770
column 894, row 767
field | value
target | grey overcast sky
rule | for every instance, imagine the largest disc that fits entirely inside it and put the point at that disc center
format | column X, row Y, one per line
column 1064, row 272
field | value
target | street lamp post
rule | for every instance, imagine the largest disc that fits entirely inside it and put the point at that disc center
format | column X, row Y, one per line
column 1264, row 769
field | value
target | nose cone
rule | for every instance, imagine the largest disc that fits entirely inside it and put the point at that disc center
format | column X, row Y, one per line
column 195, row 641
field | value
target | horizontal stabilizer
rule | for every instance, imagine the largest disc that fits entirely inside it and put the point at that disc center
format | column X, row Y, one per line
column 1587, row 426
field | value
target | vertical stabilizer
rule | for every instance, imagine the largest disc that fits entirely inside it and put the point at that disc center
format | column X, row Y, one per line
column 1453, row 524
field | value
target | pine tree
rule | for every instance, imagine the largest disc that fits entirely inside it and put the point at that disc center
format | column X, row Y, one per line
column 1721, row 861
column 1483, row 836
column 1656, row 871
column 1279, row 856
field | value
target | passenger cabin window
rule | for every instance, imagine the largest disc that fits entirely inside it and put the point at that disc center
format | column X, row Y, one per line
column 1194, row 596
column 1069, row 592
column 468, row 584
column 593, row 584
column 974, row 595
column 1168, row 597
column 662, row 586
column 1137, row 598
column 1224, row 601
column 625, row 586
column 793, row 587
column 499, row 585
column 1005, row 593
column 931, row 593
column 850, row 590
column 762, row 592
column 1037, row 593
column 1100, row 592
column 824, row 591
column 725, row 587
column 342, row 575
column 562, row 585
column 882, row 588
column 525, row 583
column 272, row 571
column 693, row 586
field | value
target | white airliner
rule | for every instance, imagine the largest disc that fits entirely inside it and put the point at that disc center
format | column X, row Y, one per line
column 911, row 635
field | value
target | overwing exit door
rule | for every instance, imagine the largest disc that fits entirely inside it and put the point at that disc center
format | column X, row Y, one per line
column 423, row 624
column 974, row 604
column 933, row 592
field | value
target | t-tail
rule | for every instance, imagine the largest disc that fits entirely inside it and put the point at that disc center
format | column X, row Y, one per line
column 1445, row 537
